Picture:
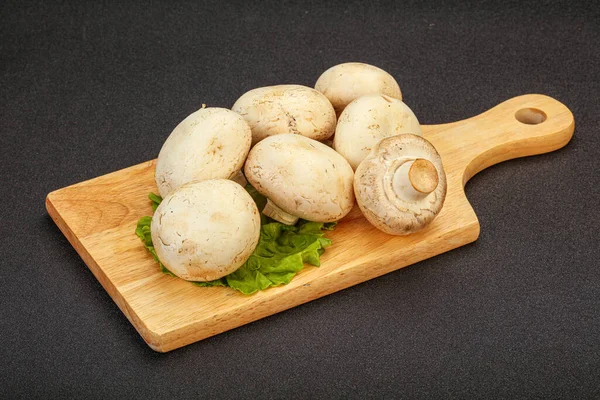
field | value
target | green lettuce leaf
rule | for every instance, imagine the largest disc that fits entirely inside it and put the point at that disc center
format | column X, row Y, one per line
column 281, row 252
column 156, row 200
column 143, row 232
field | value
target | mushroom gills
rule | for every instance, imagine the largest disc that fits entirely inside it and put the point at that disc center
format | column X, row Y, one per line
column 401, row 186
column 271, row 210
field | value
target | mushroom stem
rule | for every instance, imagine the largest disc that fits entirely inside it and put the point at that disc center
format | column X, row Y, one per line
column 239, row 178
column 415, row 179
column 272, row 211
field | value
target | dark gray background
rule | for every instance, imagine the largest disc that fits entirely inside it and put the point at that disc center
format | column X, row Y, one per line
column 86, row 89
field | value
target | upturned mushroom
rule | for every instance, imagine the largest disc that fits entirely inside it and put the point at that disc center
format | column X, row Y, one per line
column 343, row 83
column 205, row 230
column 273, row 110
column 301, row 178
column 369, row 119
column 211, row 143
column 401, row 186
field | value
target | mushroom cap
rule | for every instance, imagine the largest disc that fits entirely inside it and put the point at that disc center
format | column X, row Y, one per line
column 272, row 110
column 380, row 184
column 303, row 177
column 343, row 83
column 211, row 143
column 369, row 119
column 205, row 230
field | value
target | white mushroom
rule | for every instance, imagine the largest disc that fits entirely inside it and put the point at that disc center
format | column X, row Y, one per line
column 279, row 109
column 300, row 178
column 343, row 83
column 401, row 186
column 205, row 230
column 211, row 143
column 369, row 119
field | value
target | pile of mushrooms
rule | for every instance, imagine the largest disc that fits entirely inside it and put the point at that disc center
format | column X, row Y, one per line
column 208, row 225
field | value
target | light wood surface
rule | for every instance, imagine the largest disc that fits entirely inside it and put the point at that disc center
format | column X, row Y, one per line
column 99, row 217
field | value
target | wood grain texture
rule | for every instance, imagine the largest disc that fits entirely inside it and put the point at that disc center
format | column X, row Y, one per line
column 99, row 217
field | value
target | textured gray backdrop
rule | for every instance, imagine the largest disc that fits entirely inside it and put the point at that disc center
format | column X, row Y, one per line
column 89, row 88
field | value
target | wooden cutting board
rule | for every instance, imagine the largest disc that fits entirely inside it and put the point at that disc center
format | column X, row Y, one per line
column 99, row 217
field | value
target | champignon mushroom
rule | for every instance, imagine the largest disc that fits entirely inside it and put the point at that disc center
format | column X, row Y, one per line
column 205, row 230
column 211, row 143
column 369, row 119
column 272, row 110
column 401, row 186
column 343, row 83
column 301, row 178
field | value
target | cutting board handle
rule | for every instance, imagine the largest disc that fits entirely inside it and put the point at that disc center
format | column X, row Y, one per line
column 522, row 126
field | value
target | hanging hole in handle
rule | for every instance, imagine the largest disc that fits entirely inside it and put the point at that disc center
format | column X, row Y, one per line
column 530, row 116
